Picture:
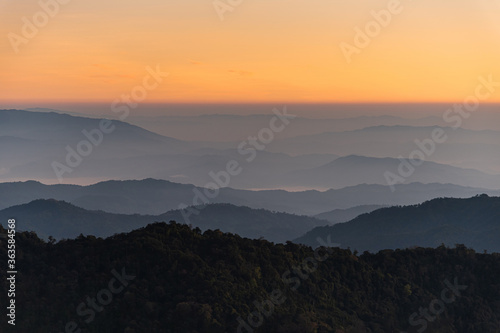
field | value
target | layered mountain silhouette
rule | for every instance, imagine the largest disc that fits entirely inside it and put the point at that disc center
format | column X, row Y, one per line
column 60, row 220
column 154, row 197
column 479, row 149
column 351, row 170
column 230, row 127
column 474, row 222
column 31, row 142
column 343, row 215
column 54, row 147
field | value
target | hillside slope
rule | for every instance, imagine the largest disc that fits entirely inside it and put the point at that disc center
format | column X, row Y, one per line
column 345, row 215
column 474, row 222
column 60, row 219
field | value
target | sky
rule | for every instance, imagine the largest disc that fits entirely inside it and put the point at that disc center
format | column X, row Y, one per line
column 258, row 51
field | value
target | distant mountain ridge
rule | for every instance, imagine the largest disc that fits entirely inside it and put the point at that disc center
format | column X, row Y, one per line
column 60, row 220
column 154, row 197
column 77, row 114
column 55, row 126
column 232, row 127
column 474, row 222
column 345, row 215
column 477, row 149
column 353, row 169
column 47, row 146
column 30, row 142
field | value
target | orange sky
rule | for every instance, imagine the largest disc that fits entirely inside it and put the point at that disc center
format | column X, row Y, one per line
column 263, row 51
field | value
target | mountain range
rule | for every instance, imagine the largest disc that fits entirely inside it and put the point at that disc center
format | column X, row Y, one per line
column 459, row 147
column 62, row 220
column 154, row 197
column 344, row 215
column 60, row 148
column 474, row 222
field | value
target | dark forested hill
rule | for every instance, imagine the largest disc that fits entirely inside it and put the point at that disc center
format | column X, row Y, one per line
column 60, row 219
column 474, row 222
column 170, row 278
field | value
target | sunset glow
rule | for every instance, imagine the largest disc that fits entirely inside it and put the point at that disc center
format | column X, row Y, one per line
column 263, row 51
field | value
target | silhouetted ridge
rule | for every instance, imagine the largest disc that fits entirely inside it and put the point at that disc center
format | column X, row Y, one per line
column 475, row 222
